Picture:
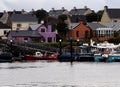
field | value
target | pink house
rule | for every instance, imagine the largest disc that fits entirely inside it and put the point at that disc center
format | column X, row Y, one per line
column 36, row 33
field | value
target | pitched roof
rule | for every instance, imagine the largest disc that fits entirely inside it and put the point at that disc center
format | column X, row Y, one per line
column 78, row 11
column 77, row 18
column 94, row 26
column 23, row 18
column 25, row 33
column 114, row 13
column 56, row 13
column 4, row 26
column 72, row 25
column 32, row 26
column 114, row 25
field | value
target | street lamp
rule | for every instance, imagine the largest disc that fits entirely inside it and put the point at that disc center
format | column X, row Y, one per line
column 60, row 46
column 71, row 60
column 11, row 42
column 78, row 42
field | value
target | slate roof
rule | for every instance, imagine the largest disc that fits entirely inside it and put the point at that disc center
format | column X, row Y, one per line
column 72, row 25
column 33, row 27
column 94, row 26
column 23, row 18
column 25, row 33
column 78, row 11
column 56, row 13
column 4, row 26
column 78, row 18
column 114, row 13
column 114, row 25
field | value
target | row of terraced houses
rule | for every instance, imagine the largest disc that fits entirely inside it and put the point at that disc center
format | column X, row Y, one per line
column 23, row 26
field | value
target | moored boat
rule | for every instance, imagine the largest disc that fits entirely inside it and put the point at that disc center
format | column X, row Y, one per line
column 85, row 53
column 107, row 52
column 67, row 55
column 6, row 57
column 39, row 56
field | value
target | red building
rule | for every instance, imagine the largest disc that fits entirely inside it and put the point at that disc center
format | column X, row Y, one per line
column 79, row 31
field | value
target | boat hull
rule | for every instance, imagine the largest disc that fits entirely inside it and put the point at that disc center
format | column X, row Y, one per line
column 6, row 58
column 32, row 57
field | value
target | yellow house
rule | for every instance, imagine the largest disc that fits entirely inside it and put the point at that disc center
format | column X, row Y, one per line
column 18, row 20
column 110, row 15
column 21, row 21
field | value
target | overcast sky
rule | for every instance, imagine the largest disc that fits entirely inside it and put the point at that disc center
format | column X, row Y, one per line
column 27, row 5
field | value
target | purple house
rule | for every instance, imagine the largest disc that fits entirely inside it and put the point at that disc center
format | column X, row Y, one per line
column 36, row 33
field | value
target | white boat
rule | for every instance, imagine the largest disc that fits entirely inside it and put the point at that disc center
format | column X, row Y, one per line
column 107, row 52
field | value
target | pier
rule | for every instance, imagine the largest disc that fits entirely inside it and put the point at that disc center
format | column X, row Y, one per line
column 26, row 48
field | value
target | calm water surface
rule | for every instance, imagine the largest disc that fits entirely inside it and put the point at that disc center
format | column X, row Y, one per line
column 59, row 74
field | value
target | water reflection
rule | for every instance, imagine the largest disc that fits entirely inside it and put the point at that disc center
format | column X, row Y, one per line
column 59, row 74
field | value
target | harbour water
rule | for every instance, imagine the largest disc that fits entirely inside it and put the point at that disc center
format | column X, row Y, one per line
column 59, row 74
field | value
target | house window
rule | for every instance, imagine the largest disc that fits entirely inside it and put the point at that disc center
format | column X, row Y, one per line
column 77, row 33
column 42, row 29
column 19, row 25
column 49, row 39
column 5, row 32
column 86, row 34
column 115, row 20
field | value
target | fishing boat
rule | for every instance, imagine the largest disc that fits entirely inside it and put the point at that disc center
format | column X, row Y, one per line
column 39, row 56
column 107, row 52
column 79, row 53
column 85, row 53
column 69, row 54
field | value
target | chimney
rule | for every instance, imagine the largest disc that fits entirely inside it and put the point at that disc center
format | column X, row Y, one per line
column 63, row 8
column 85, row 7
column 74, row 8
column 23, row 11
column 33, row 10
column 53, row 9
column 14, row 11
column 5, row 11
column 105, row 8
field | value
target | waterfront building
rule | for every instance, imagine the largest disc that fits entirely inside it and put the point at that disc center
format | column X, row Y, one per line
column 35, row 33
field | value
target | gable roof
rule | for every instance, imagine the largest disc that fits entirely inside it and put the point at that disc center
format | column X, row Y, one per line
column 33, row 26
column 78, row 11
column 94, row 26
column 56, row 13
column 4, row 26
column 72, row 25
column 23, row 18
column 114, row 13
column 25, row 33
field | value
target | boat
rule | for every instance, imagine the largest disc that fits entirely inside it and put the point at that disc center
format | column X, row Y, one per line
column 39, row 56
column 67, row 56
column 6, row 57
column 85, row 53
column 107, row 52
column 79, row 53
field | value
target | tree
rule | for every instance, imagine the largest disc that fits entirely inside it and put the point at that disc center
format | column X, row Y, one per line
column 62, row 18
column 99, row 15
column 41, row 14
column 91, row 17
column 62, row 30
column 62, row 26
